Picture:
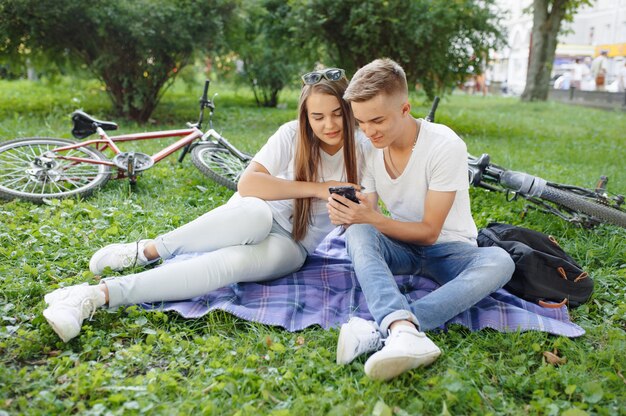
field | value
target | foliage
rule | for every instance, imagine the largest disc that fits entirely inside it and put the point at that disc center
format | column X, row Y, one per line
column 135, row 48
column 129, row 361
column 437, row 42
column 548, row 16
column 263, row 42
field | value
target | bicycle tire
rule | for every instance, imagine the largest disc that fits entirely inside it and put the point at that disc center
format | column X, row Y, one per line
column 589, row 207
column 219, row 164
column 20, row 178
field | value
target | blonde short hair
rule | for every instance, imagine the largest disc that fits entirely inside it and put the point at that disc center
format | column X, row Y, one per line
column 381, row 76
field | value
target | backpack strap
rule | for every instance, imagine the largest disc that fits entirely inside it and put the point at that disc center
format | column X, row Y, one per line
column 553, row 240
column 581, row 276
column 544, row 304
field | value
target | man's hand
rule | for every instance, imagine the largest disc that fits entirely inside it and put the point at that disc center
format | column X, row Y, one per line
column 342, row 211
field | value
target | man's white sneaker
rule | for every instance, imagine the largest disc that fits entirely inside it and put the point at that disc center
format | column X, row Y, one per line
column 404, row 349
column 357, row 337
column 70, row 306
column 119, row 257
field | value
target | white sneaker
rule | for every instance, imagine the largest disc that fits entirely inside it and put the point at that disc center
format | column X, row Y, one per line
column 404, row 349
column 119, row 257
column 357, row 337
column 70, row 306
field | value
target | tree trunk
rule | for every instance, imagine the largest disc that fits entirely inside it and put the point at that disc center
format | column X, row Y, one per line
column 546, row 26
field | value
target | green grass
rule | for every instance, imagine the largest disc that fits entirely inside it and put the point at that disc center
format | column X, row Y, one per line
column 129, row 361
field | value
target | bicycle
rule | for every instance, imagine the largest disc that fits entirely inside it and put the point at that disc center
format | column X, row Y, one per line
column 42, row 168
column 574, row 204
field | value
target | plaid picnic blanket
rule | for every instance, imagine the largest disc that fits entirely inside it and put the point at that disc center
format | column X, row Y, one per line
column 325, row 292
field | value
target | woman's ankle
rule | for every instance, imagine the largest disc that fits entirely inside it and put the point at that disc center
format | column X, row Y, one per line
column 150, row 251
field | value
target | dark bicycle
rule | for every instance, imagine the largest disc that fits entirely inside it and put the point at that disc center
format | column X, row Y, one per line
column 577, row 205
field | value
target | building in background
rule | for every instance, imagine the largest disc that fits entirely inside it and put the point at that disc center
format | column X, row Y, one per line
column 601, row 26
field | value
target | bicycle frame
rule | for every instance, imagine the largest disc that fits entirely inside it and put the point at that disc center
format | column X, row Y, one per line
column 109, row 142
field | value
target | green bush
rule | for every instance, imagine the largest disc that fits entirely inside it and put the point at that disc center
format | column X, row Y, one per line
column 134, row 47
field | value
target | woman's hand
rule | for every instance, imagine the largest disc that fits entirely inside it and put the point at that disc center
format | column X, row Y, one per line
column 323, row 192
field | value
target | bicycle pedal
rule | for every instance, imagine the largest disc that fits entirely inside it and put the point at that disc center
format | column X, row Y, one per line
column 133, row 161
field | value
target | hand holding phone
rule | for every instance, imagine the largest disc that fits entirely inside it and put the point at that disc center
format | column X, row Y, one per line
column 347, row 192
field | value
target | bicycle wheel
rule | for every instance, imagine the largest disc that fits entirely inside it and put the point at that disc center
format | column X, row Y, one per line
column 587, row 206
column 29, row 170
column 219, row 164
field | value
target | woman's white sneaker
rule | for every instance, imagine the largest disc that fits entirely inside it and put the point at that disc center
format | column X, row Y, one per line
column 357, row 336
column 70, row 306
column 119, row 256
column 405, row 348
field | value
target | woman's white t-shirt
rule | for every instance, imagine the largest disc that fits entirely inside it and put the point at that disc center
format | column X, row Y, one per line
column 438, row 163
column 277, row 156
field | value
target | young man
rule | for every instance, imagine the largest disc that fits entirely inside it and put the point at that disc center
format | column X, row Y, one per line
column 419, row 170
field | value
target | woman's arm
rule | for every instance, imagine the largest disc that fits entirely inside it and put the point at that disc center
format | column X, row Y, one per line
column 256, row 181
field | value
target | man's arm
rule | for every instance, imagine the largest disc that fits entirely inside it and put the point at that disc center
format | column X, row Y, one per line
column 436, row 208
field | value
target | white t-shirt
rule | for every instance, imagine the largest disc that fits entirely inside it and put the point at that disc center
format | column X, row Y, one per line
column 277, row 156
column 438, row 163
column 579, row 72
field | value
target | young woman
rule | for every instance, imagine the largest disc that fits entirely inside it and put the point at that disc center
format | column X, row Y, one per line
column 264, row 231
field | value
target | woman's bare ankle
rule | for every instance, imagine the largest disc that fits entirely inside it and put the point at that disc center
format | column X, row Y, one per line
column 150, row 251
column 104, row 289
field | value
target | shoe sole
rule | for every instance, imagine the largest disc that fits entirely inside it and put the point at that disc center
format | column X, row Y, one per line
column 58, row 330
column 387, row 368
column 341, row 346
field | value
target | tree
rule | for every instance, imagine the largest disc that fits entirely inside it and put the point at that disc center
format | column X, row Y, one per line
column 548, row 16
column 135, row 48
column 263, row 41
column 437, row 42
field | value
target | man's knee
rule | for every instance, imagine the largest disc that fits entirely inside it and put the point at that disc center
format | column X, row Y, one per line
column 501, row 261
column 359, row 234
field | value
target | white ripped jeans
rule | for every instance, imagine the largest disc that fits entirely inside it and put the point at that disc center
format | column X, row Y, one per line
column 240, row 242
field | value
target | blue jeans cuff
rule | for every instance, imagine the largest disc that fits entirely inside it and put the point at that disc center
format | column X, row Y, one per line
column 400, row 315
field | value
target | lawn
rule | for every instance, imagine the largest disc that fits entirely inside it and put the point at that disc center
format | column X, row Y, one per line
column 130, row 361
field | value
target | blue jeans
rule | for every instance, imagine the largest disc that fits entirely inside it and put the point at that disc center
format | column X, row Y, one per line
column 466, row 273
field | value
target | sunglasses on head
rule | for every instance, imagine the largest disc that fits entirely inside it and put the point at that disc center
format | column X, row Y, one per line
column 331, row 74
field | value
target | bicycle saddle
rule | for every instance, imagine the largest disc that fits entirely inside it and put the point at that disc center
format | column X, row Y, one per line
column 85, row 125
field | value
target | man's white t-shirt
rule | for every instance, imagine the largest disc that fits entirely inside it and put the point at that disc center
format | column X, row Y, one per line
column 277, row 156
column 438, row 163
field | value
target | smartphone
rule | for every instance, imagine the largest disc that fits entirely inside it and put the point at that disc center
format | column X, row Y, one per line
column 346, row 191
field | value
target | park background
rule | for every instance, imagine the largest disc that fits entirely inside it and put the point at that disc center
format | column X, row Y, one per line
column 134, row 362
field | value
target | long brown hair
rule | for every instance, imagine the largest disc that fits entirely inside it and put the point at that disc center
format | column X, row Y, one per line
column 307, row 159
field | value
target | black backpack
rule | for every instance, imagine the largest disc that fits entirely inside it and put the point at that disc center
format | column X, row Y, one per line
column 543, row 271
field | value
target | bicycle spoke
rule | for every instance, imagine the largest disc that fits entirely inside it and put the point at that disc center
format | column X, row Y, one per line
column 14, row 157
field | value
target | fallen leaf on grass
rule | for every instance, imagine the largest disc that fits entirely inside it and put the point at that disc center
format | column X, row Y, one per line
column 553, row 358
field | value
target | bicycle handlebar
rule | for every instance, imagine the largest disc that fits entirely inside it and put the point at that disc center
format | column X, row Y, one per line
column 431, row 115
column 205, row 97
column 205, row 103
